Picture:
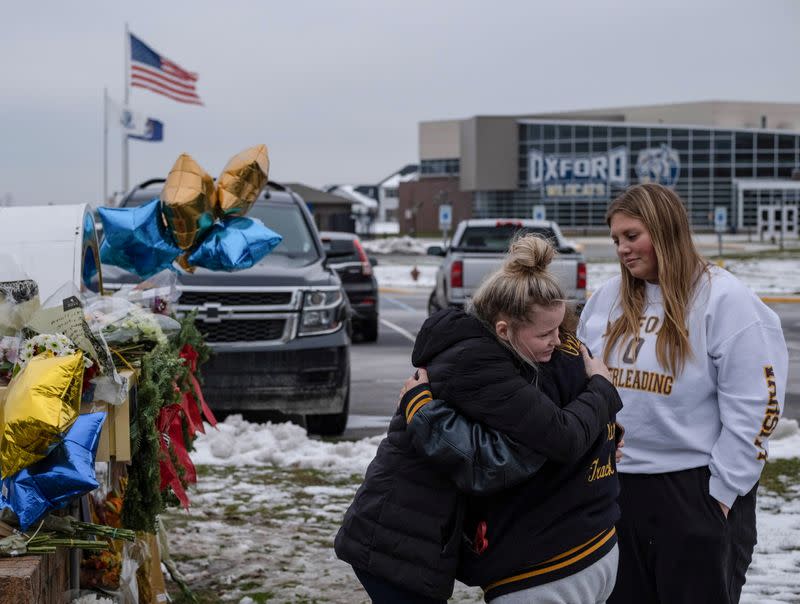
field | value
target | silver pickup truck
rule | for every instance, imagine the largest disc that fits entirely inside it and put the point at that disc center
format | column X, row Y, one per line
column 478, row 248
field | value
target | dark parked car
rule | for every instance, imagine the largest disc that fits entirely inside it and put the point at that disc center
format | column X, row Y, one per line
column 346, row 256
column 279, row 330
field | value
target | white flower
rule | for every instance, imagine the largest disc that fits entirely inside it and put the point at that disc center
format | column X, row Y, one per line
column 59, row 344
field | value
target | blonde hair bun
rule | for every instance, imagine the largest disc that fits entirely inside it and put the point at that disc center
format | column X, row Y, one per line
column 529, row 255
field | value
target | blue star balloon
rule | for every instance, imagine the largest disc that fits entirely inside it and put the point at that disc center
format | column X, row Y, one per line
column 67, row 472
column 235, row 244
column 136, row 239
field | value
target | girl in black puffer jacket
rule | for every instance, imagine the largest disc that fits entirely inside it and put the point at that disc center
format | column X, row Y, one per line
column 403, row 531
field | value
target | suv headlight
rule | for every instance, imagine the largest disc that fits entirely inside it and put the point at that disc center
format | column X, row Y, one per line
column 322, row 312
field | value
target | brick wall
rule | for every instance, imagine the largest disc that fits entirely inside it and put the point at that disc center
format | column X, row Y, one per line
column 422, row 197
column 34, row 579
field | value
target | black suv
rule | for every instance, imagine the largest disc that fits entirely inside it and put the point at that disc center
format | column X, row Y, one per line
column 350, row 260
column 279, row 330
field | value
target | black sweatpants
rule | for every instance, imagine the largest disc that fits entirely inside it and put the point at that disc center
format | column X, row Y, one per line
column 675, row 544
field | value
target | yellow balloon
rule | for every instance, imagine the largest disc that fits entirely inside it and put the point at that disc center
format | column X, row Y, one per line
column 42, row 402
column 187, row 201
column 242, row 180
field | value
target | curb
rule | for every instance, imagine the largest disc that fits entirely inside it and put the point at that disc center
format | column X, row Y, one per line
column 780, row 299
column 766, row 298
column 400, row 290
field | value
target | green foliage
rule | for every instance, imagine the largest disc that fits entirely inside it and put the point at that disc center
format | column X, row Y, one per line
column 143, row 500
column 162, row 368
column 781, row 476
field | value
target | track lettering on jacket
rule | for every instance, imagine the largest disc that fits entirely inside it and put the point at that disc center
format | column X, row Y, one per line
column 771, row 415
column 598, row 471
column 646, row 381
column 570, row 344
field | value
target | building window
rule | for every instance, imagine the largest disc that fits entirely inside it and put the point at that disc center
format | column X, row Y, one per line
column 439, row 167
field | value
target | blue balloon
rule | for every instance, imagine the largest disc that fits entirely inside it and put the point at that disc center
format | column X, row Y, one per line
column 66, row 473
column 235, row 244
column 136, row 239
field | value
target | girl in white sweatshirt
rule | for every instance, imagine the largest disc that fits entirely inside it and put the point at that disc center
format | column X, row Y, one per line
column 700, row 364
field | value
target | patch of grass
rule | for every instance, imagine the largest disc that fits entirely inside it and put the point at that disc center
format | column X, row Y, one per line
column 202, row 597
column 203, row 471
column 789, row 253
column 260, row 597
column 308, row 478
column 780, row 475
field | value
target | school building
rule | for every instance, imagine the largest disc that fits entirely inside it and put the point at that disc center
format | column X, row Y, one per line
column 730, row 161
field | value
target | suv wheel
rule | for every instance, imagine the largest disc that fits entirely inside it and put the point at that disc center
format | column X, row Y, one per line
column 330, row 424
column 433, row 305
column 369, row 330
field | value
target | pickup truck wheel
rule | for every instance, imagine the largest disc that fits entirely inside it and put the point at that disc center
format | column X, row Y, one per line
column 433, row 305
column 330, row 424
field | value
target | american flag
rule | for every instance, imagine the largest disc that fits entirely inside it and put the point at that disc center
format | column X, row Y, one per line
column 153, row 71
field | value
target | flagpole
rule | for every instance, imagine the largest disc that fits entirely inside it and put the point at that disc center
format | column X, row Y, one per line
column 105, row 146
column 125, row 173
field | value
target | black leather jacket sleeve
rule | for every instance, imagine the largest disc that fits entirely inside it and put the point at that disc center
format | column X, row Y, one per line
column 478, row 459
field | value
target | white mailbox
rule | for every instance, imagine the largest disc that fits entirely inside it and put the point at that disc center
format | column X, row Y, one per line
column 53, row 245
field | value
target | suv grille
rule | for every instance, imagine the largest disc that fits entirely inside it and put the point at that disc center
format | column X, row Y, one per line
column 198, row 298
column 242, row 331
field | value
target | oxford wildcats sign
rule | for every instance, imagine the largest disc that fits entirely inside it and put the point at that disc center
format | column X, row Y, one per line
column 578, row 176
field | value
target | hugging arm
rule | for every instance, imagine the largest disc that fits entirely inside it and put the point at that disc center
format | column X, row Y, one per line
column 478, row 459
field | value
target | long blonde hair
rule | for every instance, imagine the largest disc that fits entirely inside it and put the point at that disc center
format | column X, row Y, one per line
column 524, row 280
column 680, row 266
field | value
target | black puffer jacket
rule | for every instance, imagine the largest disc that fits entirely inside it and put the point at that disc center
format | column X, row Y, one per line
column 405, row 523
column 557, row 522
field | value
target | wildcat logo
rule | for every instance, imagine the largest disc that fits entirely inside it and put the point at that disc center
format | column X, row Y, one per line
column 598, row 472
column 570, row 345
column 660, row 166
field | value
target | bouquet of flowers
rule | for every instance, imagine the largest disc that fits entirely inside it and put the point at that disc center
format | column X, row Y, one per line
column 157, row 294
column 129, row 330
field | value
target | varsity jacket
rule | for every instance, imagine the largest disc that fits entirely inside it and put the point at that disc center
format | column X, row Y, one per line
column 555, row 524
column 405, row 524
column 720, row 410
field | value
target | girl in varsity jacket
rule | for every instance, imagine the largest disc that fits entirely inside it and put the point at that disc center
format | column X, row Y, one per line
column 700, row 363
column 403, row 531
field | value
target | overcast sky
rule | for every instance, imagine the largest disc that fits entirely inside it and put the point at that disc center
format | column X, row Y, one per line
column 336, row 88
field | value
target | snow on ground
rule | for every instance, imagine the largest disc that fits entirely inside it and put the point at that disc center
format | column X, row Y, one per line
column 269, row 501
column 765, row 277
column 239, row 442
column 396, row 245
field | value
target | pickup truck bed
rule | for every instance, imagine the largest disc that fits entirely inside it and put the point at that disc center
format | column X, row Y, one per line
column 479, row 247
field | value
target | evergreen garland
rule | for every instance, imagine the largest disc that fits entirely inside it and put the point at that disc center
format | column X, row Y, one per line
column 143, row 501
column 161, row 369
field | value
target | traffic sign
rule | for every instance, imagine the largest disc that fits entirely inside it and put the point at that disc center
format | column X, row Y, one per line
column 720, row 219
column 445, row 216
column 539, row 213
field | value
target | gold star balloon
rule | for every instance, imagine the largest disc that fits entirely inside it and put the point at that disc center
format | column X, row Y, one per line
column 42, row 402
column 242, row 179
column 187, row 201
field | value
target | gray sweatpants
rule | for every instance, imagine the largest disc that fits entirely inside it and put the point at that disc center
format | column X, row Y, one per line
column 592, row 585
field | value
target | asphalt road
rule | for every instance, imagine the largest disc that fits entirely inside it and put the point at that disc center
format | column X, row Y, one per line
column 379, row 369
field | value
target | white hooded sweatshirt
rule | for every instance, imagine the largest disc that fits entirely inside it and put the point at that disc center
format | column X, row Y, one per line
column 721, row 409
